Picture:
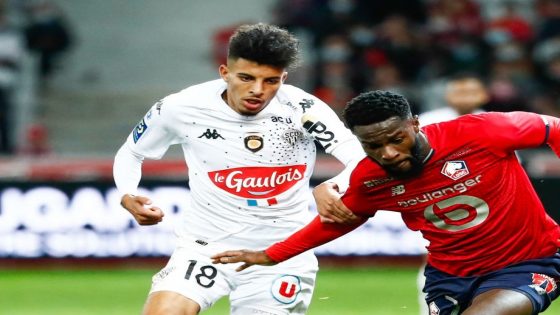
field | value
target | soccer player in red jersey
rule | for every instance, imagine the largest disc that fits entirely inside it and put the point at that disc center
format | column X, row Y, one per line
column 493, row 248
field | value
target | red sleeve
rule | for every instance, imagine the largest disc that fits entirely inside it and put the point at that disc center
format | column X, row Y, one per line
column 552, row 133
column 513, row 130
column 312, row 235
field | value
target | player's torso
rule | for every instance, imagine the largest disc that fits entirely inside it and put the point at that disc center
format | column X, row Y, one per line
column 247, row 160
column 454, row 179
column 252, row 170
column 470, row 204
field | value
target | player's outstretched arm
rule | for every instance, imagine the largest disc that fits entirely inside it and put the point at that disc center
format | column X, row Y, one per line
column 141, row 209
column 248, row 257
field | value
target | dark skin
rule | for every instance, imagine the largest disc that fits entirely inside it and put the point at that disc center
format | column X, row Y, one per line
column 394, row 144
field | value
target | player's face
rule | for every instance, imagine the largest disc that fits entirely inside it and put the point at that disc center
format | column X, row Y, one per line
column 394, row 144
column 250, row 86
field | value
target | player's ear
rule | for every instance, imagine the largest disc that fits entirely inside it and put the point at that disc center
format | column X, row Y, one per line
column 284, row 76
column 415, row 123
column 223, row 70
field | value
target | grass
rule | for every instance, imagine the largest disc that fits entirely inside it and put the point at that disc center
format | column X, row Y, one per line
column 339, row 291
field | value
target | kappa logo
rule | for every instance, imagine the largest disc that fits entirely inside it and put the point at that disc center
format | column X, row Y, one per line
column 306, row 104
column 211, row 134
column 455, row 169
column 286, row 289
column 159, row 104
column 543, row 284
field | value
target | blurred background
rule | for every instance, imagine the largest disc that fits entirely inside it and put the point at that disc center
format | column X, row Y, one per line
column 76, row 76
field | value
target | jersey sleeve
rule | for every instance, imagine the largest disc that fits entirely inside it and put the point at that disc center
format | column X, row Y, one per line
column 150, row 139
column 552, row 133
column 155, row 132
column 312, row 235
column 513, row 130
column 326, row 128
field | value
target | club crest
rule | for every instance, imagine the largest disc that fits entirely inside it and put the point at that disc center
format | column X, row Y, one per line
column 455, row 169
column 254, row 142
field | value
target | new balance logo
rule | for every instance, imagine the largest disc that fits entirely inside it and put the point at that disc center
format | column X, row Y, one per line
column 397, row 190
column 211, row 134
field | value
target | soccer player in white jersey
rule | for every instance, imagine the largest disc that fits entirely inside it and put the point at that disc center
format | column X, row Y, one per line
column 249, row 143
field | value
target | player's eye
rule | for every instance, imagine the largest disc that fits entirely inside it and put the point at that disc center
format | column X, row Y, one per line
column 371, row 146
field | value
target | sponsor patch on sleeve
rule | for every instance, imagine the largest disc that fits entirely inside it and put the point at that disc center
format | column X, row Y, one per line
column 139, row 130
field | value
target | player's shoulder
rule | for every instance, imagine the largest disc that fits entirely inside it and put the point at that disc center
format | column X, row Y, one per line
column 368, row 174
column 296, row 98
column 194, row 96
column 460, row 123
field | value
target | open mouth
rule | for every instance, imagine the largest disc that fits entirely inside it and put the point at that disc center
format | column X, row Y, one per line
column 252, row 103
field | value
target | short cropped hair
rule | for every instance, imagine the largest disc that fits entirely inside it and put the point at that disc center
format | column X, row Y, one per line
column 375, row 106
column 264, row 44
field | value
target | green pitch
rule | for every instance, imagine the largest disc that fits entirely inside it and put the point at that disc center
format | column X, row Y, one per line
column 339, row 291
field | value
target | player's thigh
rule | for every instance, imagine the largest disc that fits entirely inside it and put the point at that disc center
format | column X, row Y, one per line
column 500, row 302
column 193, row 276
column 275, row 290
column 170, row 303
column 534, row 281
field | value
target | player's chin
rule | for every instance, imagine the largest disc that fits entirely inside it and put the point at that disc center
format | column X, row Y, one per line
column 405, row 170
column 402, row 167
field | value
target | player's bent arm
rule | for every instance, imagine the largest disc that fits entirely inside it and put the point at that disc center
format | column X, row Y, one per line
column 330, row 206
column 127, row 171
column 327, row 194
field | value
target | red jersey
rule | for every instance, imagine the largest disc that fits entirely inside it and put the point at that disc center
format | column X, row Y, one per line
column 473, row 201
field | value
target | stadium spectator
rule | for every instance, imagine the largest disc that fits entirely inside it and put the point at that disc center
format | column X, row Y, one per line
column 465, row 93
column 48, row 34
column 36, row 141
column 249, row 143
column 493, row 248
column 11, row 50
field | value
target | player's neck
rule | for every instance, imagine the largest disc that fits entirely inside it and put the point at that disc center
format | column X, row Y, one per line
column 425, row 149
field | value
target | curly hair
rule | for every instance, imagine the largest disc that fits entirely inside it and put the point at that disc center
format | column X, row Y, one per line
column 375, row 106
column 264, row 44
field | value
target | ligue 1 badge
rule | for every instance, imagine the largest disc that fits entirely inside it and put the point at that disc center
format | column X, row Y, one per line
column 254, row 142
column 455, row 169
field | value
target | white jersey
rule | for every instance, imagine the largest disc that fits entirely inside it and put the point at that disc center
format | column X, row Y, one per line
column 248, row 175
column 440, row 115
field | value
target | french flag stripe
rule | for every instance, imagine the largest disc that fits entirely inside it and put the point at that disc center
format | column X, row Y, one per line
column 261, row 202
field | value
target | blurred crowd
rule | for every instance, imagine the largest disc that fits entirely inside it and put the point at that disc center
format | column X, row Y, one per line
column 412, row 46
column 31, row 32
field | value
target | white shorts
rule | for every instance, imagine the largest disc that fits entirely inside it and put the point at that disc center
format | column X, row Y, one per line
column 285, row 288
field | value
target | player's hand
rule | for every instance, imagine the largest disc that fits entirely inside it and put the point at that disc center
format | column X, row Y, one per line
column 141, row 209
column 330, row 207
column 248, row 257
